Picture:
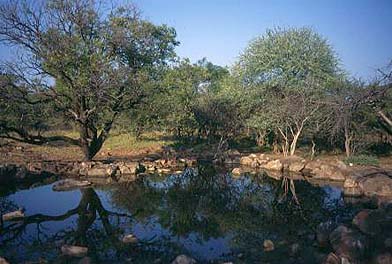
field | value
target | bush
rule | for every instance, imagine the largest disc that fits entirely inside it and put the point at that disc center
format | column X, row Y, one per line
column 362, row 160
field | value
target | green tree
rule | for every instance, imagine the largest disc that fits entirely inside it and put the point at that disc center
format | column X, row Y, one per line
column 89, row 62
column 287, row 73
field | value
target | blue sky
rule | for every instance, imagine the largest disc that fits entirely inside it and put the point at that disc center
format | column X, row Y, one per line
column 360, row 31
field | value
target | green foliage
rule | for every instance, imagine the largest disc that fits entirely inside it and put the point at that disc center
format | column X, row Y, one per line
column 286, row 58
column 284, row 75
column 362, row 160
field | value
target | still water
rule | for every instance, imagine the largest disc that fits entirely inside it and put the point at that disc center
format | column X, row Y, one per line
column 204, row 213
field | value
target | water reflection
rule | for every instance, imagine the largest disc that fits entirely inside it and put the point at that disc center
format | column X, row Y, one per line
column 203, row 212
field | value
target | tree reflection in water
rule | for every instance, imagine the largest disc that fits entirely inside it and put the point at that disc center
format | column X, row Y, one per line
column 203, row 212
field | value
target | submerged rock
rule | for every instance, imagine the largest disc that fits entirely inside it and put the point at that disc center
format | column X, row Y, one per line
column 12, row 216
column 74, row 251
column 3, row 261
column 69, row 184
column 129, row 239
column 268, row 245
column 348, row 243
column 322, row 232
column 385, row 258
column 332, row 259
column 183, row 259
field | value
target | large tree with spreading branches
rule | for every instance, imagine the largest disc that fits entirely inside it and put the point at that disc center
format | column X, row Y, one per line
column 81, row 59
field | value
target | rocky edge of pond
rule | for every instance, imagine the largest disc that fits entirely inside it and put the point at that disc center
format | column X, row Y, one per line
column 115, row 171
column 355, row 180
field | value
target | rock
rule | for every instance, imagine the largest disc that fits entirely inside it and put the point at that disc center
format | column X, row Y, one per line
column 183, row 259
column 128, row 168
column 130, row 239
column 377, row 185
column 74, row 251
column 268, row 245
column 163, row 171
column 332, row 259
column 247, row 161
column 273, row 165
column 3, row 261
column 376, row 222
column 323, row 231
column 362, row 221
column 385, row 258
column 236, row 172
column 329, row 172
column 99, row 171
column 351, row 186
column 12, row 216
column 296, row 165
column 348, row 243
column 69, row 184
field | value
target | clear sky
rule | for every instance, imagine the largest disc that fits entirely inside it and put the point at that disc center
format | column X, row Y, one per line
column 359, row 30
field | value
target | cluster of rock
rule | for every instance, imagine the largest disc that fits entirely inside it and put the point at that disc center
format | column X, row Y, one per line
column 370, row 181
column 116, row 171
column 368, row 239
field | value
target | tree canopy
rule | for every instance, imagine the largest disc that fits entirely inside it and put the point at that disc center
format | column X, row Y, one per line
column 89, row 64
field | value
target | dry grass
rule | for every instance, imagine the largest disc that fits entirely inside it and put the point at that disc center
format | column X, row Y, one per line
column 116, row 146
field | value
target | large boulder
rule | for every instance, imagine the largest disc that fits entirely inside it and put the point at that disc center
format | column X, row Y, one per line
column 377, row 185
column 348, row 243
column 325, row 171
column 69, row 185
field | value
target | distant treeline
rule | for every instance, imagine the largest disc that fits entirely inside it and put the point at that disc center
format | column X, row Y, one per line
column 93, row 70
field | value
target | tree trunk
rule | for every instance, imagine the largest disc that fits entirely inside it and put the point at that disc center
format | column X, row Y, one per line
column 293, row 145
column 347, row 142
column 313, row 149
column 90, row 143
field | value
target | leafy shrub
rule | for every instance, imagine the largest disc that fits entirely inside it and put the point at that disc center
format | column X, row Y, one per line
column 362, row 160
